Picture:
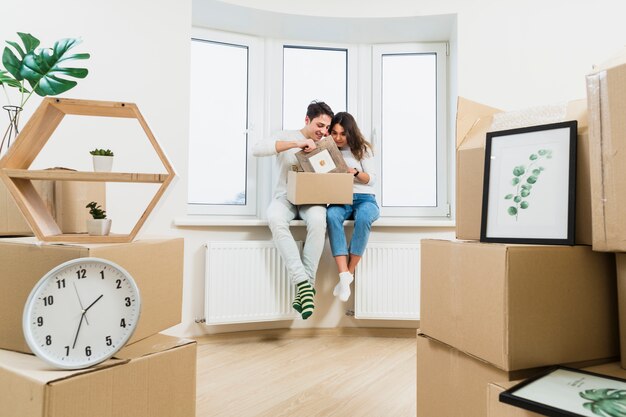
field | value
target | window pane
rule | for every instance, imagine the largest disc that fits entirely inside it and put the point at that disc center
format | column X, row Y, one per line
column 218, row 123
column 312, row 74
column 409, row 130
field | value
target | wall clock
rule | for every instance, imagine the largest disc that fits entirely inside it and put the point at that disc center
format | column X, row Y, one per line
column 81, row 313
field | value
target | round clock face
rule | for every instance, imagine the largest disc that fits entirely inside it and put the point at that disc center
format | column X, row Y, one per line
column 81, row 313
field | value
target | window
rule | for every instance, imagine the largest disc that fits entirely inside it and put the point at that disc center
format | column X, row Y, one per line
column 243, row 88
column 313, row 74
column 409, row 118
column 221, row 171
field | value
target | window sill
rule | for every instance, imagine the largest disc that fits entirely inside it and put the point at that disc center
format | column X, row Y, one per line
column 226, row 221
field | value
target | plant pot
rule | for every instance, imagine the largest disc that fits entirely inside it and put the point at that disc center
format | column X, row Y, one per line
column 102, row 163
column 98, row 227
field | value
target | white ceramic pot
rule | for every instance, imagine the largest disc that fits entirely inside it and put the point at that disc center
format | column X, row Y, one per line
column 98, row 227
column 102, row 163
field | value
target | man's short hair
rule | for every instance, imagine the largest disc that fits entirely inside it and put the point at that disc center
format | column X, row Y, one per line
column 317, row 108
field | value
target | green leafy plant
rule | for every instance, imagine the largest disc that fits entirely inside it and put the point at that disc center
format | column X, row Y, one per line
column 41, row 68
column 101, row 152
column 524, row 178
column 96, row 211
column 605, row 402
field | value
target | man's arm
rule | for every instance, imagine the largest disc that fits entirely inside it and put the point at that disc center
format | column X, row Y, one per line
column 272, row 146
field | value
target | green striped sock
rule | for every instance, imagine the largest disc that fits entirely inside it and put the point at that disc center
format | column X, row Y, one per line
column 297, row 304
column 306, row 293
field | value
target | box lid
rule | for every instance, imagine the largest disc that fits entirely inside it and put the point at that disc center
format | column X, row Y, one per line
column 472, row 122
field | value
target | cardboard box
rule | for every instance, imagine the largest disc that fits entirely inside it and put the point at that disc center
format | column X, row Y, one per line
column 70, row 199
column 152, row 378
column 495, row 408
column 155, row 264
column 474, row 120
column 499, row 409
column 12, row 223
column 312, row 188
column 606, row 95
column 66, row 201
column 520, row 306
column 451, row 383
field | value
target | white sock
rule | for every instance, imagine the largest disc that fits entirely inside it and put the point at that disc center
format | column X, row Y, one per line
column 342, row 289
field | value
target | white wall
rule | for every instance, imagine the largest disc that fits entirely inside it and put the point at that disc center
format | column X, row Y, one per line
column 510, row 55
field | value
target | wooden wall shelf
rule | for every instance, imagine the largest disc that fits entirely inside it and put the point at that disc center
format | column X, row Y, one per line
column 15, row 173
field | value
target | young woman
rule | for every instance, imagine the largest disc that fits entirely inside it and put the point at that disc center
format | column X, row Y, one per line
column 357, row 153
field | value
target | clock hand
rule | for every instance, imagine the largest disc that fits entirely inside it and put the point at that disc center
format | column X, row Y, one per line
column 80, row 302
column 94, row 302
column 78, row 330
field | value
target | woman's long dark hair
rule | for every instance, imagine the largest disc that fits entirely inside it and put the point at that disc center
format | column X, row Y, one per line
column 357, row 143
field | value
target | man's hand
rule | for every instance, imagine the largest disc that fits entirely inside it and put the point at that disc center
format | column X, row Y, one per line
column 307, row 145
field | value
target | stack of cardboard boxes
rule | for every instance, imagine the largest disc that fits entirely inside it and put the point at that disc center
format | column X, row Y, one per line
column 492, row 314
column 153, row 376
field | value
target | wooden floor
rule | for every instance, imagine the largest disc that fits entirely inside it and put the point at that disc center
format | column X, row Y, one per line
column 308, row 376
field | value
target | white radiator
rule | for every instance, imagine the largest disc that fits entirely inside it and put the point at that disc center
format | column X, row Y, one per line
column 246, row 281
column 387, row 283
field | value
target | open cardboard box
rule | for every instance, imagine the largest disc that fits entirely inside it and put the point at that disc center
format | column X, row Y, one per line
column 155, row 377
column 314, row 188
column 474, row 120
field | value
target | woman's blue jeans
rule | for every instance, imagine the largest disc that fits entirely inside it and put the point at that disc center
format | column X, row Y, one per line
column 364, row 211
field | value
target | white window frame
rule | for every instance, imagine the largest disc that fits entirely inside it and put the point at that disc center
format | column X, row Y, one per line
column 442, row 207
column 254, row 130
column 363, row 101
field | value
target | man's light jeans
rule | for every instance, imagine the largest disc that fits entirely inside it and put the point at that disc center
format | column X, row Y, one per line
column 279, row 214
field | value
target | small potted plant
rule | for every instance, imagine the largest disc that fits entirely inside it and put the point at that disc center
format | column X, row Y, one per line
column 99, row 225
column 102, row 160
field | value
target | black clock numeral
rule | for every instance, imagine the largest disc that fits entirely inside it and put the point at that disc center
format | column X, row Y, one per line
column 109, row 342
column 123, row 323
column 128, row 302
column 119, row 283
column 48, row 340
column 48, row 301
column 88, row 350
column 102, row 274
column 39, row 321
column 67, row 351
column 61, row 283
column 82, row 273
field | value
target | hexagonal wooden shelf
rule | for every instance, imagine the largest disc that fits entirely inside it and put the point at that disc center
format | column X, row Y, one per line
column 18, row 178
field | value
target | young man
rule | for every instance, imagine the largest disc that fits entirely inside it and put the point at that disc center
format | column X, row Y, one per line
column 285, row 145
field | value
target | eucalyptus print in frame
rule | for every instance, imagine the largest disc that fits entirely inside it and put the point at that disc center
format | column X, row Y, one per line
column 524, row 178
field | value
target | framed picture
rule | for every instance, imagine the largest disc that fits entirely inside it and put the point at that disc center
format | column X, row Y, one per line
column 529, row 189
column 323, row 159
column 566, row 392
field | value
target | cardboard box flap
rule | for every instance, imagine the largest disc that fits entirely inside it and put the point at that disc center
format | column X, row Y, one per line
column 35, row 369
column 472, row 121
column 151, row 345
column 615, row 61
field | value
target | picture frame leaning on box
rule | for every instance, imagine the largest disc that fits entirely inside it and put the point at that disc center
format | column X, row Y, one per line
column 302, row 269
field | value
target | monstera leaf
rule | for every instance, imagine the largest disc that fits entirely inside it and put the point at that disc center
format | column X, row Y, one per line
column 605, row 402
column 11, row 62
column 42, row 68
column 6, row 79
